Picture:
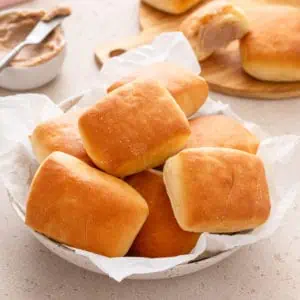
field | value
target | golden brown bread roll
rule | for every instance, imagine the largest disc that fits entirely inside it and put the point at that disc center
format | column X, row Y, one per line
column 173, row 6
column 136, row 127
column 161, row 235
column 221, row 131
column 83, row 207
column 271, row 51
column 217, row 190
column 214, row 26
column 189, row 90
column 59, row 134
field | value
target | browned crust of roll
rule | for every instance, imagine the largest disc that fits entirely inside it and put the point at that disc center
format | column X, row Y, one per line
column 188, row 89
column 161, row 235
column 217, row 190
column 59, row 134
column 221, row 131
column 136, row 127
column 173, row 6
column 83, row 207
column 271, row 50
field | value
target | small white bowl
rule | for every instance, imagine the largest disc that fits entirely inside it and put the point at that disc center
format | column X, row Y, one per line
column 26, row 78
column 21, row 79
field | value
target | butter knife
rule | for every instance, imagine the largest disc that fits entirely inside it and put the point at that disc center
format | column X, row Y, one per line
column 36, row 36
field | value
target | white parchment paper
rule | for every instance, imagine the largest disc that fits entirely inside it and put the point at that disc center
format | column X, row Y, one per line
column 21, row 113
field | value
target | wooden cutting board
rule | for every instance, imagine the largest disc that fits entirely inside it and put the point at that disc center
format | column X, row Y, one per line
column 223, row 70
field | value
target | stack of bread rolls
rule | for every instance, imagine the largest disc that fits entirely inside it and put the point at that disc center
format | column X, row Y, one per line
column 268, row 35
column 97, row 188
column 211, row 26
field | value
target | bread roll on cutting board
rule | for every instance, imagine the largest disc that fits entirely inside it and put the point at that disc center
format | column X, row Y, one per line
column 83, row 207
column 271, row 51
column 136, row 127
column 214, row 26
column 221, row 131
column 188, row 89
column 161, row 235
column 173, row 6
column 59, row 134
column 217, row 190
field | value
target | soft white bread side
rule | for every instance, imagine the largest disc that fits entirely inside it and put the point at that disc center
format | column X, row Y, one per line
column 214, row 26
column 83, row 207
column 136, row 127
column 217, row 190
column 271, row 50
column 59, row 134
column 173, row 6
column 221, row 131
column 161, row 235
column 188, row 89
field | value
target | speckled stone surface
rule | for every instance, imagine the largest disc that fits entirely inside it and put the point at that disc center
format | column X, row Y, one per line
column 28, row 271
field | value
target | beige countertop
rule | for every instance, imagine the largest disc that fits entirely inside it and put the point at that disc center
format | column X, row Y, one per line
column 267, row 270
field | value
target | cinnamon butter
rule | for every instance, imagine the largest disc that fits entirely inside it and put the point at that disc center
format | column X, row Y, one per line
column 16, row 25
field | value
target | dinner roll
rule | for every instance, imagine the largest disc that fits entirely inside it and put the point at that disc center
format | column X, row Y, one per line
column 217, row 190
column 161, row 235
column 271, row 51
column 83, row 207
column 136, row 127
column 173, row 6
column 221, row 131
column 59, row 134
column 188, row 89
column 214, row 26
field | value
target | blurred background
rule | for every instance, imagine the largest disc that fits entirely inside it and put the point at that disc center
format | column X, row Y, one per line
column 85, row 29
